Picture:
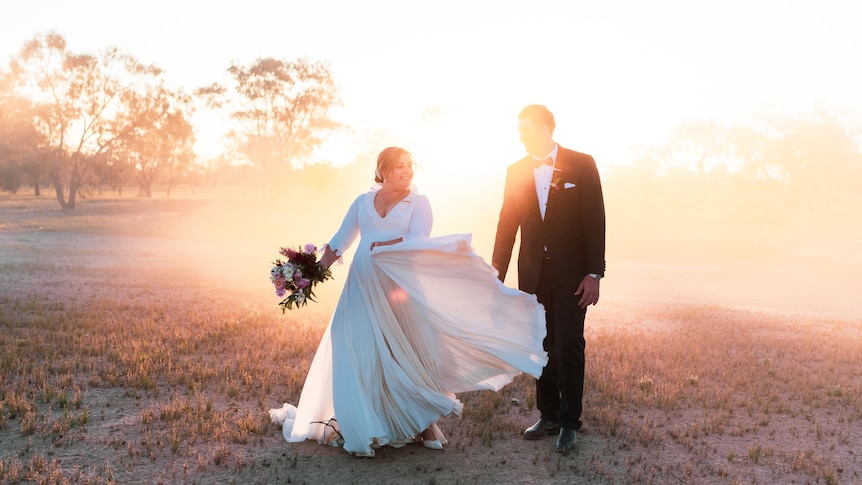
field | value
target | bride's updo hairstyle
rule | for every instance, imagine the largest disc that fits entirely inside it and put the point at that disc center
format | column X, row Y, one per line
column 387, row 158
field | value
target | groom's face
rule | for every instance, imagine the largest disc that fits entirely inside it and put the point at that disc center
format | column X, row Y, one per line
column 535, row 137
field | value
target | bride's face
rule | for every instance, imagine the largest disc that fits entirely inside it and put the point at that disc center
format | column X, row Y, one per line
column 401, row 175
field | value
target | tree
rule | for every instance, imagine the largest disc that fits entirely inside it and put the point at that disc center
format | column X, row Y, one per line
column 76, row 98
column 112, row 171
column 814, row 156
column 281, row 110
column 155, row 135
column 697, row 145
column 21, row 145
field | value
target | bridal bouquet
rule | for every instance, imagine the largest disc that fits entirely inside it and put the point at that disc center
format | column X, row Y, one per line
column 295, row 278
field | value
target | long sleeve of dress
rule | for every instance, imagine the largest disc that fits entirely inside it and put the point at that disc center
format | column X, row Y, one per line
column 348, row 232
column 422, row 220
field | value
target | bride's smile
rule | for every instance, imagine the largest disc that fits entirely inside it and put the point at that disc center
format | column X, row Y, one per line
column 400, row 176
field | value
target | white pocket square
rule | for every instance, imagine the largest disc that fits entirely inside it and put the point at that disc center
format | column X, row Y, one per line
column 568, row 185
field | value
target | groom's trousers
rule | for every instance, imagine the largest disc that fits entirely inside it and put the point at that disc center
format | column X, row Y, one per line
column 560, row 389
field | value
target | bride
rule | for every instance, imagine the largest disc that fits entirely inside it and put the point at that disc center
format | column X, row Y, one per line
column 418, row 320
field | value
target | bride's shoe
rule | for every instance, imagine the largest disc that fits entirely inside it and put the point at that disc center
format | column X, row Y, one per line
column 432, row 444
column 335, row 439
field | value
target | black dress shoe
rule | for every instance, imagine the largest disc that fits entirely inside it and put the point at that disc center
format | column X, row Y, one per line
column 567, row 440
column 543, row 427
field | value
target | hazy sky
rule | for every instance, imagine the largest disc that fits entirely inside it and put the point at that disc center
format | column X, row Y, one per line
column 614, row 73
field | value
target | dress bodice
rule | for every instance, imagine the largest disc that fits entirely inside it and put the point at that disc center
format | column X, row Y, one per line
column 409, row 219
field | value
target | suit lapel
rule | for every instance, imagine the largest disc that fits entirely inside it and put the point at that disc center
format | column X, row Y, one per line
column 529, row 186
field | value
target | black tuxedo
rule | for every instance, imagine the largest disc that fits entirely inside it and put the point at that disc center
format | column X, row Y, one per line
column 573, row 231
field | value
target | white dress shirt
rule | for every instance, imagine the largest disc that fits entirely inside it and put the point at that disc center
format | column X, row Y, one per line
column 544, row 175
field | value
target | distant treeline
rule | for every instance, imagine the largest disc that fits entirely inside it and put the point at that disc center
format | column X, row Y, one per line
column 785, row 161
column 70, row 121
column 79, row 122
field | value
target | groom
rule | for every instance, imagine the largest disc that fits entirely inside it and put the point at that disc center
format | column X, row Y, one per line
column 554, row 196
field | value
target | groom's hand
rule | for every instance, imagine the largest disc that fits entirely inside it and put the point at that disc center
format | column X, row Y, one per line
column 589, row 291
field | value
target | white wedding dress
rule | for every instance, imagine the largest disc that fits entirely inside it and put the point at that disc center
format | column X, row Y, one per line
column 416, row 322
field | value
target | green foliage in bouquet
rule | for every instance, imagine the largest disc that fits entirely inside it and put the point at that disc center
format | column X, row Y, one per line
column 294, row 279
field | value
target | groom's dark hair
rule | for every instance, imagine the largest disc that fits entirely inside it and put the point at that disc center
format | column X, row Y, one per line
column 539, row 115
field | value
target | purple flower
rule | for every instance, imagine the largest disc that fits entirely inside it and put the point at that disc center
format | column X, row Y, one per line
column 303, row 282
column 279, row 283
column 279, row 292
column 310, row 248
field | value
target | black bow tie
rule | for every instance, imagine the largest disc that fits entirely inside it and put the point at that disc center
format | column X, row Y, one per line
column 548, row 161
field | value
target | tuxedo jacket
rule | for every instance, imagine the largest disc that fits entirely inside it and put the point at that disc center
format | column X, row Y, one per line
column 573, row 230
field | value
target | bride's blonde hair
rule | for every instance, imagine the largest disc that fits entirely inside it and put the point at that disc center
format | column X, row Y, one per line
column 386, row 159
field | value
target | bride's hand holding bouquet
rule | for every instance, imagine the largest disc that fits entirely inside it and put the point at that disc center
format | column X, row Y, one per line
column 329, row 256
column 295, row 278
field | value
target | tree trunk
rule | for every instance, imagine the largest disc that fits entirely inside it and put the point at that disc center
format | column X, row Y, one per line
column 145, row 189
column 73, row 192
column 74, row 185
column 58, row 189
column 36, row 191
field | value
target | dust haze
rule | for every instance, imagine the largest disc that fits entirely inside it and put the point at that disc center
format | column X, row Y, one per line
column 675, row 242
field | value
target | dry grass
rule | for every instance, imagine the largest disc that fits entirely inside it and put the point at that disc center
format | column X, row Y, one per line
column 130, row 354
column 736, row 394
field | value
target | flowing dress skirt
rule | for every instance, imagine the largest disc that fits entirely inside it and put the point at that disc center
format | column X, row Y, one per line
column 416, row 322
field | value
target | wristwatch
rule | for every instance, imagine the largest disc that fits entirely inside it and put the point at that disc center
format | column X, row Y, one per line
column 594, row 275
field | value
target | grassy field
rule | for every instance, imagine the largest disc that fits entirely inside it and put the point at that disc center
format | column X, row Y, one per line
column 141, row 343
